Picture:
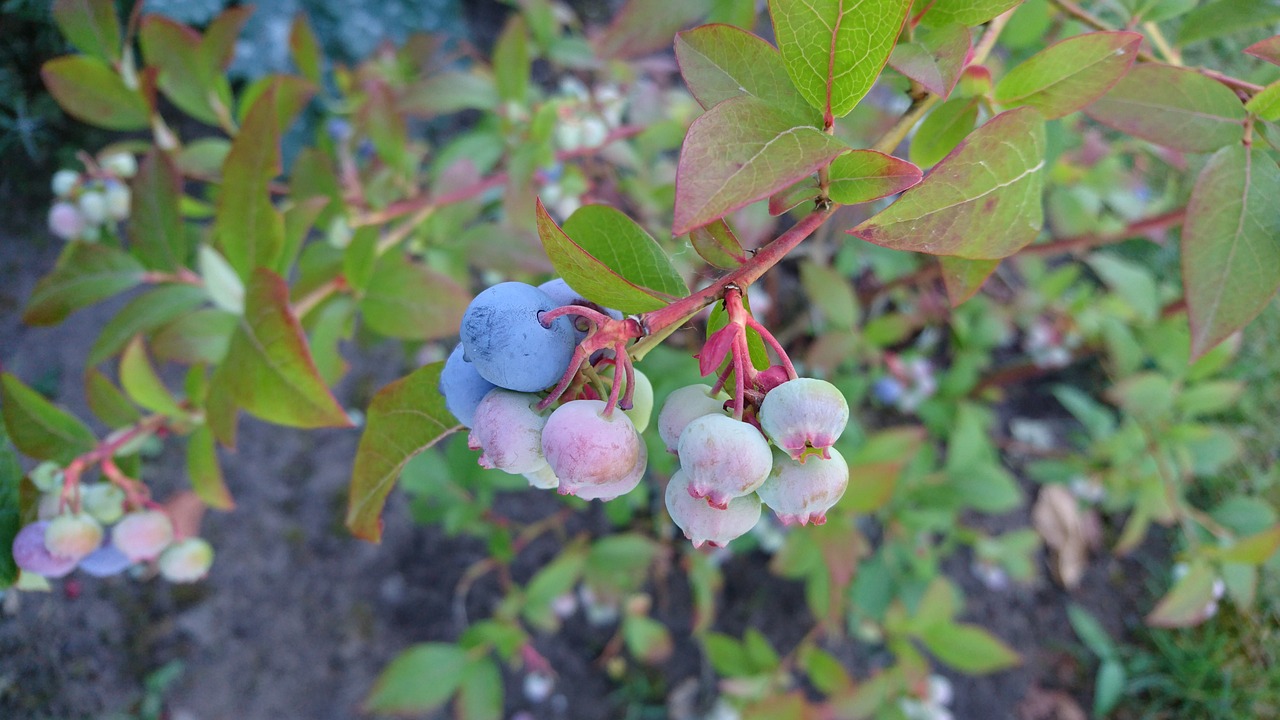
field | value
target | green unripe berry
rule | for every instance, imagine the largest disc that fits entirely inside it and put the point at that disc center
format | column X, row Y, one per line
column 186, row 560
column 641, row 403
column 47, row 477
column 104, row 501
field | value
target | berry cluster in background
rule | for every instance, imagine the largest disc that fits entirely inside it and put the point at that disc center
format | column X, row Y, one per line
column 91, row 203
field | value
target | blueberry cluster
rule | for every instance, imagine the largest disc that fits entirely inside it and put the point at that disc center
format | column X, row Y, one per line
column 727, row 468
column 507, row 355
column 87, row 202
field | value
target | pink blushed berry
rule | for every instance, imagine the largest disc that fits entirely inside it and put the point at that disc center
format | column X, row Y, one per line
column 804, row 416
column 65, row 221
column 703, row 524
column 142, row 535
column 508, row 430
column 584, row 448
column 683, row 406
column 30, row 553
column 723, row 458
column 803, row 492
column 623, row 485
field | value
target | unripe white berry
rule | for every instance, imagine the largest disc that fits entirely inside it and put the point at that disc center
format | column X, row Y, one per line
column 64, row 181
column 93, row 206
column 804, row 416
column 186, row 560
column 803, row 492
column 65, row 221
column 118, row 200
column 681, row 407
column 122, row 165
column 723, row 458
column 104, row 501
column 73, row 535
column 702, row 523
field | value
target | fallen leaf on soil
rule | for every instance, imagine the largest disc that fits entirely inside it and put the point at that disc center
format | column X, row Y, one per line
column 1066, row 530
column 1042, row 704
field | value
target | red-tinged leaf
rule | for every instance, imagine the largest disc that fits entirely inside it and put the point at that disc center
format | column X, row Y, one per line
column 943, row 129
column 1187, row 603
column 90, row 25
column 969, row 13
column 205, row 472
column 419, row 680
column 783, row 200
column 1230, row 244
column 716, row 349
column 40, row 429
column 717, row 244
column 968, row 648
column 861, row 176
column 219, row 44
column 451, row 92
column 835, row 49
column 386, row 128
column 107, row 401
column 222, row 416
column 1070, row 74
column 719, row 62
column 85, row 274
column 876, row 466
column 1253, row 550
column 156, row 232
column 405, row 418
column 292, row 94
column 268, row 370
column 141, row 383
column 407, row 299
column 91, row 92
column 644, row 27
column 307, row 56
column 1268, row 50
column 740, row 151
column 981, row 202
column 249, row 229
column 596, row 279
column 935, row 59
column 200, row 337
column 963, row 278
column 1174, row 107
column 174, row 48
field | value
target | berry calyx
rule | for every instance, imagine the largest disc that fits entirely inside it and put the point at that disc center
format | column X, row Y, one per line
column 804, row 416
column 803, row 492
column 703, row 524
column 723, row 458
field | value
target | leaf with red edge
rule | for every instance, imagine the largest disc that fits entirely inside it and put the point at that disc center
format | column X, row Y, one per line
column 964, row 12
column 719, row 62
column 1230, row 244
column 249, row 229
column 981, row 202
column 643, row 27
column 861, row 176
column 91, row 92
column 1070, row 74
column 1268, row 50
column 90, row 25
column 803, row 191
column 717, row 244
column 268, row 369
column 935, row 59
column 405, row 418
column 1187, row 603
column 307, row 55
column 835, row 49
column 963, row 278
column 205, row 472
column 1174, row 107
column 156, row 232
column 740, row 151
column 174, row 48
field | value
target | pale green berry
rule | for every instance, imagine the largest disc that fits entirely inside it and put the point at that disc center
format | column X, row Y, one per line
column 47, row 476
column 118, row 200
column 186, row 560
column 641, row 402
column 64, row 181
column 104, row 501
column 93, row 207
column 123, row 165
column 73, row 535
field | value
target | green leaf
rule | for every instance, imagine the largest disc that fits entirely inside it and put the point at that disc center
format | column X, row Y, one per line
column 831, row 293
column 726, row 655
column 407, row 299
column 557, row 578
column 38, row 428
column 963, row 278
column 10, row 510
column 1174, row 107
column 597, row 278
column 935, row 59
column 968, row 648
column 943, row 129
column 332, row 322
column 1070, row 74
column 1091, row 632
column 268, row 370
column 740, row 151
column 719, row 62
column 717, row 244
column 835, row 49
column 1108, row 688
column 480, row 696
column 199, row 337
column 511, row 63
column 1216, row 19
column 405, row 418
column 91, row 92
column 643, row 27
column 249, row 229
column 619, row 564
column 451, row 92
column 107, row 401
column 981, row 202
column 85, row 274
column 156, row 232
column 144, row 313
column 141, row 383
column 761, row 654
column 965, row 12
column 205, row 472
column 307, row 55
column 419, row 679
column 619, row 242
column 174, row 49
column 1253, row 550
column 1186, row 604
column 1230, row 244
column 1266, row 104
column 647, row 639
column 861, row 176
column 90, row 25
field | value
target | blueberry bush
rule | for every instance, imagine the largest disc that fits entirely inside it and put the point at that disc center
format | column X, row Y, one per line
column 811, row 281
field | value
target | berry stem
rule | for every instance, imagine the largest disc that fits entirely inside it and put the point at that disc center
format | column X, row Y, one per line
column 102, row 454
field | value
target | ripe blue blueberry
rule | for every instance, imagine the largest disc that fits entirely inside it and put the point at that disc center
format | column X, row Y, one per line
column 462, row 387
column 105, row 561
column 887, row 390
column 503, row 337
